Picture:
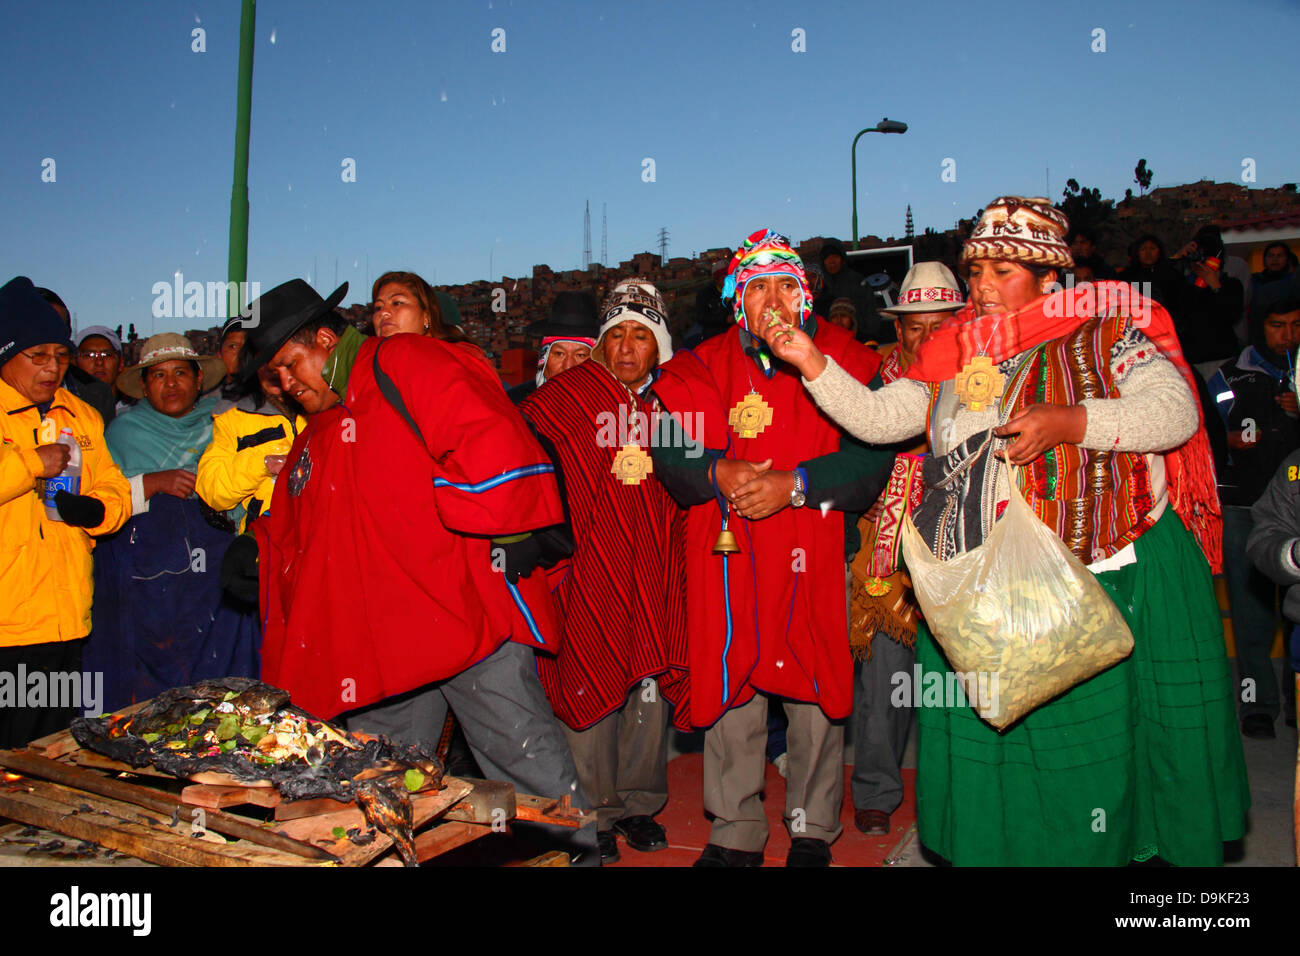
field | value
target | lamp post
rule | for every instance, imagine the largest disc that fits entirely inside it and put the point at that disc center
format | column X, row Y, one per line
column 237, row 262
column 886, row 125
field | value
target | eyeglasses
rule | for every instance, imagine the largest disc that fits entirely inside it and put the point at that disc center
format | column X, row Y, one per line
column 41, row 359
column 105, row 354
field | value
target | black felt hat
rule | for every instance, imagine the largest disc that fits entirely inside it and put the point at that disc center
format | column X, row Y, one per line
column 276, row 315
column 572, row 314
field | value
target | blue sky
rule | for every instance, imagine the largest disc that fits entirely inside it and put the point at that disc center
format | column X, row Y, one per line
column 467, row 158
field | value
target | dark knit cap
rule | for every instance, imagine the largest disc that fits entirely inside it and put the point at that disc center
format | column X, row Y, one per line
column 27, row 320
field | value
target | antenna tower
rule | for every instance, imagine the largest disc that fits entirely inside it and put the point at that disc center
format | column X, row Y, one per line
column 663, row 246
column 586, row 237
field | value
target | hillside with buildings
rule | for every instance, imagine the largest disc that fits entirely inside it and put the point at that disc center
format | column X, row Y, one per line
column 497, row 320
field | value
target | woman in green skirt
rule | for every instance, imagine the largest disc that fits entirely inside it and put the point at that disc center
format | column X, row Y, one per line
column 1087, row 392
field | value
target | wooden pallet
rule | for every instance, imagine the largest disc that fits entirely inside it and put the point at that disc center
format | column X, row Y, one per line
column 459, row 812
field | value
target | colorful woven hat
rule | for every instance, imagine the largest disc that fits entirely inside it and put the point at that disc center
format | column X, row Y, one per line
column 765, row 253
column 1019, row 229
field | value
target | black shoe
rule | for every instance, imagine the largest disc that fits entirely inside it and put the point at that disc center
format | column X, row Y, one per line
column 806, row 851
column 715, row 855
column 642, row 833
column 608, row 846
column 1259, row 726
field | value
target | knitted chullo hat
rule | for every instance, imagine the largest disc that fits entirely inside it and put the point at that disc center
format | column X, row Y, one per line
column 1020, row 230
column 765, row 253
column 635, row 301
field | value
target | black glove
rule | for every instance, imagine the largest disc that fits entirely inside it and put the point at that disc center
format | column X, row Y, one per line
column 80, row 511
column 521, row 557
column 543, row 548
column 239, row 569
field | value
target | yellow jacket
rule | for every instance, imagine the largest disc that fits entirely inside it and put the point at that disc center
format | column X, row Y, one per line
column 45, row 566
column 232, row 471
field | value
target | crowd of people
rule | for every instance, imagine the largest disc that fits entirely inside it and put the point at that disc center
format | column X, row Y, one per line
column 642, row 537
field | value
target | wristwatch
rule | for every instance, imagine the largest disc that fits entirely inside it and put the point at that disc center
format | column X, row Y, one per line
column 797, row 497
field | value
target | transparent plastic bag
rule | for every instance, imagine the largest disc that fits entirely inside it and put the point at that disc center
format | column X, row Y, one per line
column 1020, row 618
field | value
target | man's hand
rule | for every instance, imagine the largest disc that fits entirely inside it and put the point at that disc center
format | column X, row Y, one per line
column 873, row 513
column 1289, row 404
column 1207, row 274
column 1237, row 441
column 274, row 464
column 54, row 458
column 733, row 473
column 1040, row 427
column 176, row 481
column 794, row 346
column 764, row 495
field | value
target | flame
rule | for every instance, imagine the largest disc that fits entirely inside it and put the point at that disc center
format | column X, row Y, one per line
column 10, row 777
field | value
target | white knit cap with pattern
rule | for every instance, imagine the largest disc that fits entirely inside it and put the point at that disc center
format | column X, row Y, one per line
column 635, row 301
column 1020, row 229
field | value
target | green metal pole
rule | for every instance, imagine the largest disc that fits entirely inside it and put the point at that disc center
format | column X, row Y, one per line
column 853, row 159
column 237, row 267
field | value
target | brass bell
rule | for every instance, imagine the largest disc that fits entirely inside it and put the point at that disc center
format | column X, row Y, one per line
column 726, row 543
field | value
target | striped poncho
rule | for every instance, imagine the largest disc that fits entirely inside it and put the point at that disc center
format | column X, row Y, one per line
column 621, row 599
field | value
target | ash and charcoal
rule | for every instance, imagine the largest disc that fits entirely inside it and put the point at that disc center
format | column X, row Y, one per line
column 330, row 772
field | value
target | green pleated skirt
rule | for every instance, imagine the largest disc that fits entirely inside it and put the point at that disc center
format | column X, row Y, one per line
column 1143, row 759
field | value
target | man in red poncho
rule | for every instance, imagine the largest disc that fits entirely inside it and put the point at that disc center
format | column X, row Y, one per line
column 622, row 596
column 769, row 621
column 383, row 592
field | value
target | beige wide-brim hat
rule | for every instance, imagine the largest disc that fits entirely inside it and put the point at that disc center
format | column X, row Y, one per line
column 928, row 287
column 166, row 347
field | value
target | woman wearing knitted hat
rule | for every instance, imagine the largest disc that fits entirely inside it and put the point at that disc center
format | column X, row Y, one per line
column 1088, row 393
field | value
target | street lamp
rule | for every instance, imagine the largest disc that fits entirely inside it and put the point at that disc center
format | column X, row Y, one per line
column 886, row 125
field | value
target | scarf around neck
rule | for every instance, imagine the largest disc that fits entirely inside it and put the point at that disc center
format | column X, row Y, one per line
column 1189, row 468
column 338, row 366
column 142, row 439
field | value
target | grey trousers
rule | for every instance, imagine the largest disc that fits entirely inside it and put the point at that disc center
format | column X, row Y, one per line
column 880, row 729
column 735, row 767
column 508, row 724
column 622, row 759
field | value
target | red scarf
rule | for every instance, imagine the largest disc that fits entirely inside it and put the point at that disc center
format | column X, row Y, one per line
column 1189, row 468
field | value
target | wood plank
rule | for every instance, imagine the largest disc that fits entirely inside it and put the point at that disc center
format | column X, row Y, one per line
column 88, row 758
column 215, row 798
column 490, row 801
column 296, row 809
column 42, row 768
column 441, row 838
column 125, row 828
column 317, row 830
column 17, row 850
column 553, row 858
column 549, row 810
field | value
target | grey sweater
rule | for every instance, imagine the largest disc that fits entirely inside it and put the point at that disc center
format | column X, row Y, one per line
column 1155, row 412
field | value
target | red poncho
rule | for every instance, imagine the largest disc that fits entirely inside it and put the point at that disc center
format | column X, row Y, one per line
column 621, row 598
column 773, row 617
column 375, row 560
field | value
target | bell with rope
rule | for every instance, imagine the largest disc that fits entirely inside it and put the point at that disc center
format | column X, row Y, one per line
column 726, row 543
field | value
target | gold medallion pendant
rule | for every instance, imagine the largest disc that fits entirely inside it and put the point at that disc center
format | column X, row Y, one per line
column 631, row 464
column 979, row 383
column 750, row 415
